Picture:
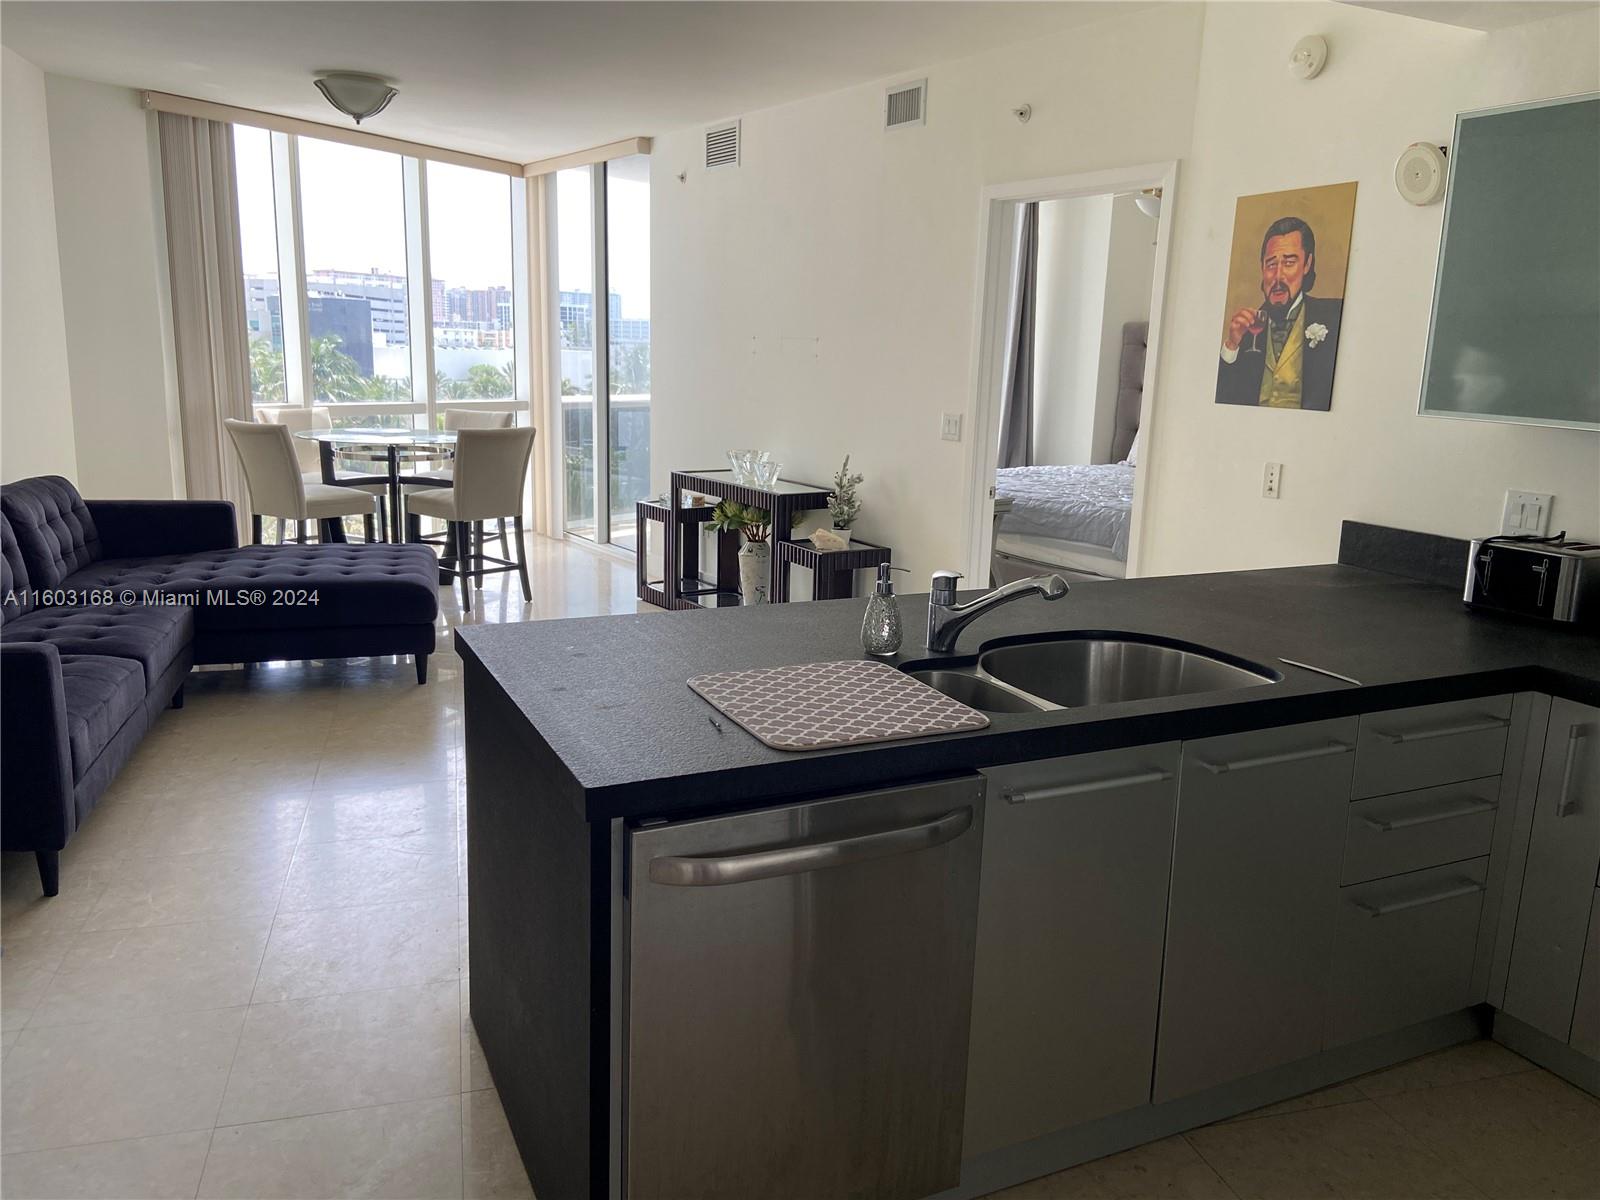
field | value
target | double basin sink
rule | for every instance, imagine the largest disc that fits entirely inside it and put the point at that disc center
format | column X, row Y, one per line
column 1079, row 670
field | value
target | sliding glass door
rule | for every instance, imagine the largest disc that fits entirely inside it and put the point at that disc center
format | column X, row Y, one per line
column 602, row 215
column 628, row 340
column 575, row 274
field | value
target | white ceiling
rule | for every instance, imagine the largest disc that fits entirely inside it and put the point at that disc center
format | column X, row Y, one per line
column 519, row 80
column 1486, row 15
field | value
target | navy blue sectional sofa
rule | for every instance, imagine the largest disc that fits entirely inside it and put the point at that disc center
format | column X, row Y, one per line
column 105, row 605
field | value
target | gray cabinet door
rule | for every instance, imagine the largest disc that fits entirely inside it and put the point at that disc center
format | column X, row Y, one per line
column 1255, row 880
column 1586, row 1017
column 1072, row 905
column 1558, row 882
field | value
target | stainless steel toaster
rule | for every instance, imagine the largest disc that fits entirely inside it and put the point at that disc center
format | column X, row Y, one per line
column 1552, row 579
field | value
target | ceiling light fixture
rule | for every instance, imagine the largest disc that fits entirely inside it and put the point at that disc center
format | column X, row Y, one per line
column 1149, row 202
column 354, row 94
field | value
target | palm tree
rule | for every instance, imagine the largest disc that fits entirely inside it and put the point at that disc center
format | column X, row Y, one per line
column 266, row 372
column 486, row 381
column 446, row 388
column 334, row 374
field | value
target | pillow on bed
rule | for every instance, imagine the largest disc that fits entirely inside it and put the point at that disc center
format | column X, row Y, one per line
column 1133, row 451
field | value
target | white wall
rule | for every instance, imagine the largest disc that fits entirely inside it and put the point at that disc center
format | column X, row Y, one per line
column 1130, row 270
column 113, row 269
column 1073, row 258
column 1390, row 81
column 36, row 435
column 1097, row 257
column 819, row 299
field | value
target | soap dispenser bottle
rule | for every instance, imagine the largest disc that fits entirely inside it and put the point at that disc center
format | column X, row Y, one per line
column 880, row 629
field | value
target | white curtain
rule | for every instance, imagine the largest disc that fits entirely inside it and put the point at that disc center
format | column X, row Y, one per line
column 208, row 320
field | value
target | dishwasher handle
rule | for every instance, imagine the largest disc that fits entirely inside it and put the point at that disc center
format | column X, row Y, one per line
column 691, row 871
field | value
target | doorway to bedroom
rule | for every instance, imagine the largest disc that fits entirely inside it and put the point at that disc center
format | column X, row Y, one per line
column 1072, row 287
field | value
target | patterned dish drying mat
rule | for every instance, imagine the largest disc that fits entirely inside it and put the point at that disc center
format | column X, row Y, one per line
column 816, row 705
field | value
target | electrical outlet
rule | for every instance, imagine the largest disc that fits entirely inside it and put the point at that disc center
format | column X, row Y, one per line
column 1526, row 514
column 950, row 427
column 1272, row 481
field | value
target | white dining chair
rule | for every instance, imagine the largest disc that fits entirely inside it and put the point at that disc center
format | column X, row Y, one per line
column 456, row 419
column 278, row 488
column 308, row 453
column 490, row 466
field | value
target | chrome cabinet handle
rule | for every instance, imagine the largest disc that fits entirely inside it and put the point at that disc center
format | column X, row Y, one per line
column 1423, row 735
column 1024, row 795
column 1464, row 888
column 1272, row 760
column 1568, row 803
column 1468, row 809
column 692, row 871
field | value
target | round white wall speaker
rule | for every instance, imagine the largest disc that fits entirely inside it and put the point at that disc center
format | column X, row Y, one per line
column 1419, row 173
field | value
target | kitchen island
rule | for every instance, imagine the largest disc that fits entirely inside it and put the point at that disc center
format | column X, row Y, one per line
column 582, row 737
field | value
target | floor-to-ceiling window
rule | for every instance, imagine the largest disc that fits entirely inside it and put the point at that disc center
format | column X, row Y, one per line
column 602, row 281
column 258, row 246
column 575, row 317
column 378, row 285
column 353, row 225
column 470, row 274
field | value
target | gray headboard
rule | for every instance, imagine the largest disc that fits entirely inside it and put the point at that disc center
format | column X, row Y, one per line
column 1130, row 388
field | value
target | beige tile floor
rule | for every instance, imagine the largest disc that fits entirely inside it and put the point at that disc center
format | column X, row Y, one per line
column 254, row 980
column 254, row 983
column 1475, row 1122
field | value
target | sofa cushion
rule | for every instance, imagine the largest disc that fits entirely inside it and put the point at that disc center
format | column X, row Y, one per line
column 53, row 527
column 102, row 694
column 15, row 599
column 284, row 587
column 153, row 637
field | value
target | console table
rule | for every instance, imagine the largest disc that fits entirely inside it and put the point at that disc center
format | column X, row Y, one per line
column 783, row 499
column 725, row 591
column 833, row 572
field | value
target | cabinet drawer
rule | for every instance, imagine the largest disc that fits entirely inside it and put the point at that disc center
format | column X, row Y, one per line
column 1404, row 950
column 1390, row 835
column 1410, row 748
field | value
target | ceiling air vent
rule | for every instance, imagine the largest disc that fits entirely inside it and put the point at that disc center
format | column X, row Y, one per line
column 906, row 104
column 722, row 145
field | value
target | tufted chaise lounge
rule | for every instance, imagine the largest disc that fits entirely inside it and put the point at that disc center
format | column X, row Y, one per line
column 105, row 606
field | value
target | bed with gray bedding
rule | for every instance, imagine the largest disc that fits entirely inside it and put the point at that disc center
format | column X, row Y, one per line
column 1087, row 504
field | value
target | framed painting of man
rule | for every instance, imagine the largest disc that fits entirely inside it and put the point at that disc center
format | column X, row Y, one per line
column 1285, row 297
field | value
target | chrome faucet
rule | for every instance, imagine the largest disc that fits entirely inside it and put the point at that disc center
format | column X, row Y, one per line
column 946, row 618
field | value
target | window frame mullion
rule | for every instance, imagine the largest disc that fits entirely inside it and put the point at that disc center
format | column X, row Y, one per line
column 601, row 307
column 419, row 287
column 299, row 386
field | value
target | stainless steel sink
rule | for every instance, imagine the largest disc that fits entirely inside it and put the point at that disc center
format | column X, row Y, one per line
column 972, row 689
column 1078, row 672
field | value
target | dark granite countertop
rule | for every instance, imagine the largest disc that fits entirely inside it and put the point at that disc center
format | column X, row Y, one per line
column 608, row 694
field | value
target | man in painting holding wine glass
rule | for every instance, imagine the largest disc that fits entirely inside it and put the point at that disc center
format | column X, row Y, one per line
column 1280, row 352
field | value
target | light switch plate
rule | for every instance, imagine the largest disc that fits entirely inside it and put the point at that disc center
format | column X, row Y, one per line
column 1526, row 514
column 950, row 427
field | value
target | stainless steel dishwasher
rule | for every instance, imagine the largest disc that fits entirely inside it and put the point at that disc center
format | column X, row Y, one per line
column 799, row 990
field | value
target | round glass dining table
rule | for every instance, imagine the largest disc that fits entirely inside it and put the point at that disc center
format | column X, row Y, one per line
column 387, row 447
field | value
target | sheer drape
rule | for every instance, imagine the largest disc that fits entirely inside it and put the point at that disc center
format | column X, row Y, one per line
column 208, row 319
column 1016, row 400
